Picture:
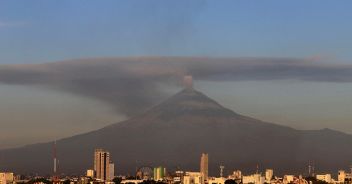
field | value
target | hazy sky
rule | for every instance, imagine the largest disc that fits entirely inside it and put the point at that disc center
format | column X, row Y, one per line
column 39, row 31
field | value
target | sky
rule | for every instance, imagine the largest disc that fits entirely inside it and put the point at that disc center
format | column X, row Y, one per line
column 316, row 33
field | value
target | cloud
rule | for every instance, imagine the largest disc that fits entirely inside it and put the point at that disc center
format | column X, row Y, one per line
column 132, row 84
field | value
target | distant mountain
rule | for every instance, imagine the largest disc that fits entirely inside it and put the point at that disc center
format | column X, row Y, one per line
column 176, row 132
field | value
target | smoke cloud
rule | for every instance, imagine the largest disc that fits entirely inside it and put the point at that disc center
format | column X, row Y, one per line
column 133, row 84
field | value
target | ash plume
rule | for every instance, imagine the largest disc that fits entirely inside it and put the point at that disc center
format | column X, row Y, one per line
column 132, row 85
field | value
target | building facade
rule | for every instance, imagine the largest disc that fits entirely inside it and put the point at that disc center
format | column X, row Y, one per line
column 204, row 165
column 269, row 173
column 324, row 177
column 102, row 165
column 193, row 178
column 159, row 173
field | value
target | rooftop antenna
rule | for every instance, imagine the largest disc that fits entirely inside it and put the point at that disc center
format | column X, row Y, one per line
column 221, row 170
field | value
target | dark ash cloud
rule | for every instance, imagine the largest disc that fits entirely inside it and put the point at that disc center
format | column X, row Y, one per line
column 133, row 84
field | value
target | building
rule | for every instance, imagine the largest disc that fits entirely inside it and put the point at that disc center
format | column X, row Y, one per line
column 2, row 178
column 254, row 178
column 111, row 170
column 159, row 173
column 288, row 178
column 6, row 178
column 324, row 177
column 269, row 173
column 193, row 178
column 102, row 165
column 236, row 175
column 341, row 176
column 90, row 173
column 214, row 180
column 204, row 165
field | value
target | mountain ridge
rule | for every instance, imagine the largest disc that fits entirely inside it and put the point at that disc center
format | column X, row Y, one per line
column 175, row 132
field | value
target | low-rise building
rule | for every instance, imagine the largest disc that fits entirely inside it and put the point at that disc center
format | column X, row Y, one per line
column 269, row 173
column 213, row 180
column 193, row 178
column 90, row 173
column 236, row 175
column 254, row 178
column 288, row 179
column 324, row 177
column 6, row 178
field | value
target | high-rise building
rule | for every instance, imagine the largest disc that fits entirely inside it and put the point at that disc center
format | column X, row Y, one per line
column 204, row 165
column 102, row 165
column 159, row 173
column 112, row 171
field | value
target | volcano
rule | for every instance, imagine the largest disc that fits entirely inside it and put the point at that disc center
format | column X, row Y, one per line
column 175, row 133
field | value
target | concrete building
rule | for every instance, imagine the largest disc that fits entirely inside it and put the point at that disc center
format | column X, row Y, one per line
column 102, row 165
column 269, row 173
column 159, row 173
column 204, row 165
column 324, row 177
column 193, row 178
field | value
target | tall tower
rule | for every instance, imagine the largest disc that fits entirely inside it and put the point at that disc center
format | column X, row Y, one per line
column 204, row 165
column 102, row 164
column 222, row 171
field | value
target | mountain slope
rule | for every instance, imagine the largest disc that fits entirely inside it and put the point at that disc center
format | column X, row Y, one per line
column 175, row 133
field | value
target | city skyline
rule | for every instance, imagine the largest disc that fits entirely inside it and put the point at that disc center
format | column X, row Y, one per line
column 160, row 175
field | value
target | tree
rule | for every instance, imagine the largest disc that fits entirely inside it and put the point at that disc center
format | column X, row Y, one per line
column 117, row 180
column 230, row 181
column 38, row 180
